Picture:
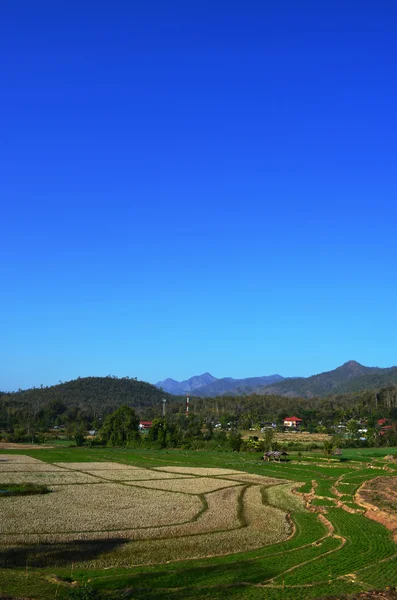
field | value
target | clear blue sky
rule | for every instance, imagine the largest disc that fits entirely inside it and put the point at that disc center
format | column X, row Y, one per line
column 196, row 186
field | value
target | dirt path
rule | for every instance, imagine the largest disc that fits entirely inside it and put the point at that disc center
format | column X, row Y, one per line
column 13, row 446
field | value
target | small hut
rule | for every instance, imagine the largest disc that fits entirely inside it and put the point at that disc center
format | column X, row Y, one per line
column 274, row 455
column 337, row 452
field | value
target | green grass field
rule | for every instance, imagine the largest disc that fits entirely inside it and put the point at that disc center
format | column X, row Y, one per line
column 331, row 551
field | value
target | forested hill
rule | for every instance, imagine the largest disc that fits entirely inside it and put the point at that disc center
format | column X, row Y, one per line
column 93, row 394
column 348, row 378
column 88, row 400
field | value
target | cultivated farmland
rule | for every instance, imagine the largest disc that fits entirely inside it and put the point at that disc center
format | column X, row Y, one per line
column 121, row 501
column 195, row 525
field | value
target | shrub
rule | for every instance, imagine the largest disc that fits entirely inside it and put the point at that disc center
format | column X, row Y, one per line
column 22, row 489
column 84, row 593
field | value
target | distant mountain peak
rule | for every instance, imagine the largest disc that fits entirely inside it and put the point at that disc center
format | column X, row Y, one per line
column 180, row 388
column 352, row 363
column 349, row 376
column 352, row 368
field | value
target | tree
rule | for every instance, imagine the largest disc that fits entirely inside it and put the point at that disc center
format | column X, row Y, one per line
column 121, row 427
column 268, row 439
column 252, row 444
column 158, row 432
column 372, row 436
column 235, row 440
column 352, row 427
column 328, row 447
column 393, row 413
column 209, row 433
column 79, row 435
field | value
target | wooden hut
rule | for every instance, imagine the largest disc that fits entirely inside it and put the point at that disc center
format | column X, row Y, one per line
column 337, row 452
column 274, row 455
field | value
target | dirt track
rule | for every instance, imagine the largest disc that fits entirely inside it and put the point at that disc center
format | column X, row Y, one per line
column 12, row 446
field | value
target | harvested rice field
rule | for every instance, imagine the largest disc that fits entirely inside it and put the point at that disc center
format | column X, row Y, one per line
column 22, row 467
column 199, row 471
column 104, row 507
column 93, row 466
column 149, row 525
column 47, row 477
column 252, row 478
column 135, row 475
column 18, row 458
column 136, row 504
column 91, row 499
column 193, row 485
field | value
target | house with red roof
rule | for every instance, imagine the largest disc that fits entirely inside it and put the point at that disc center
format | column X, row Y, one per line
column 292, row 422
column 145, row 425
column 385, row 429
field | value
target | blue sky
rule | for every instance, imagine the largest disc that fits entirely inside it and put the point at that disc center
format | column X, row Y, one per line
column 196, row 186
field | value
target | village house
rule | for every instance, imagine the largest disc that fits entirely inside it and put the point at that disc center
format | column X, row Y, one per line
column 292, row 422
column 385, row 429
column 384, row 426
column 145, row 425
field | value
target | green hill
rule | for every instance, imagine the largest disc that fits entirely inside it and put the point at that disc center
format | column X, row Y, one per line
column 91, row 394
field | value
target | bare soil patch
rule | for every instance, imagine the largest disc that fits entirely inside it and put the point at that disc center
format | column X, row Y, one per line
column 379, row 497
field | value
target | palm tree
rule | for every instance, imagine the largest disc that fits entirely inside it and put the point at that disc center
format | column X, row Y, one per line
column 328, row 447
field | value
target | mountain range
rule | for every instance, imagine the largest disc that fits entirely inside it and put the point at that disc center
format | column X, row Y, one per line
column 349, row 377
column 206, row 385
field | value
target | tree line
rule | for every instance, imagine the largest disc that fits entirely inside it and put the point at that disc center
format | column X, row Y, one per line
column 84, row 404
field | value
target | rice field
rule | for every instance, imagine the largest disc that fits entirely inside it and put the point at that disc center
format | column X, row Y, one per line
column 94, row 466
column 202, row 472
column 135, row 475
column 103, row 507
column 194, row 485
column 151, row 525
column 93, row 499
column 47, row 477
column 18, row 458
column 252, row 478
column 22, row 467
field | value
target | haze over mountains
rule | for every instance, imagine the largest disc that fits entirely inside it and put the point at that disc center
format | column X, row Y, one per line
column 351, row 376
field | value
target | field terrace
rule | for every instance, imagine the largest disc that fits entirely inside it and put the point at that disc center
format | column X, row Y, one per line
column 294, row 530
